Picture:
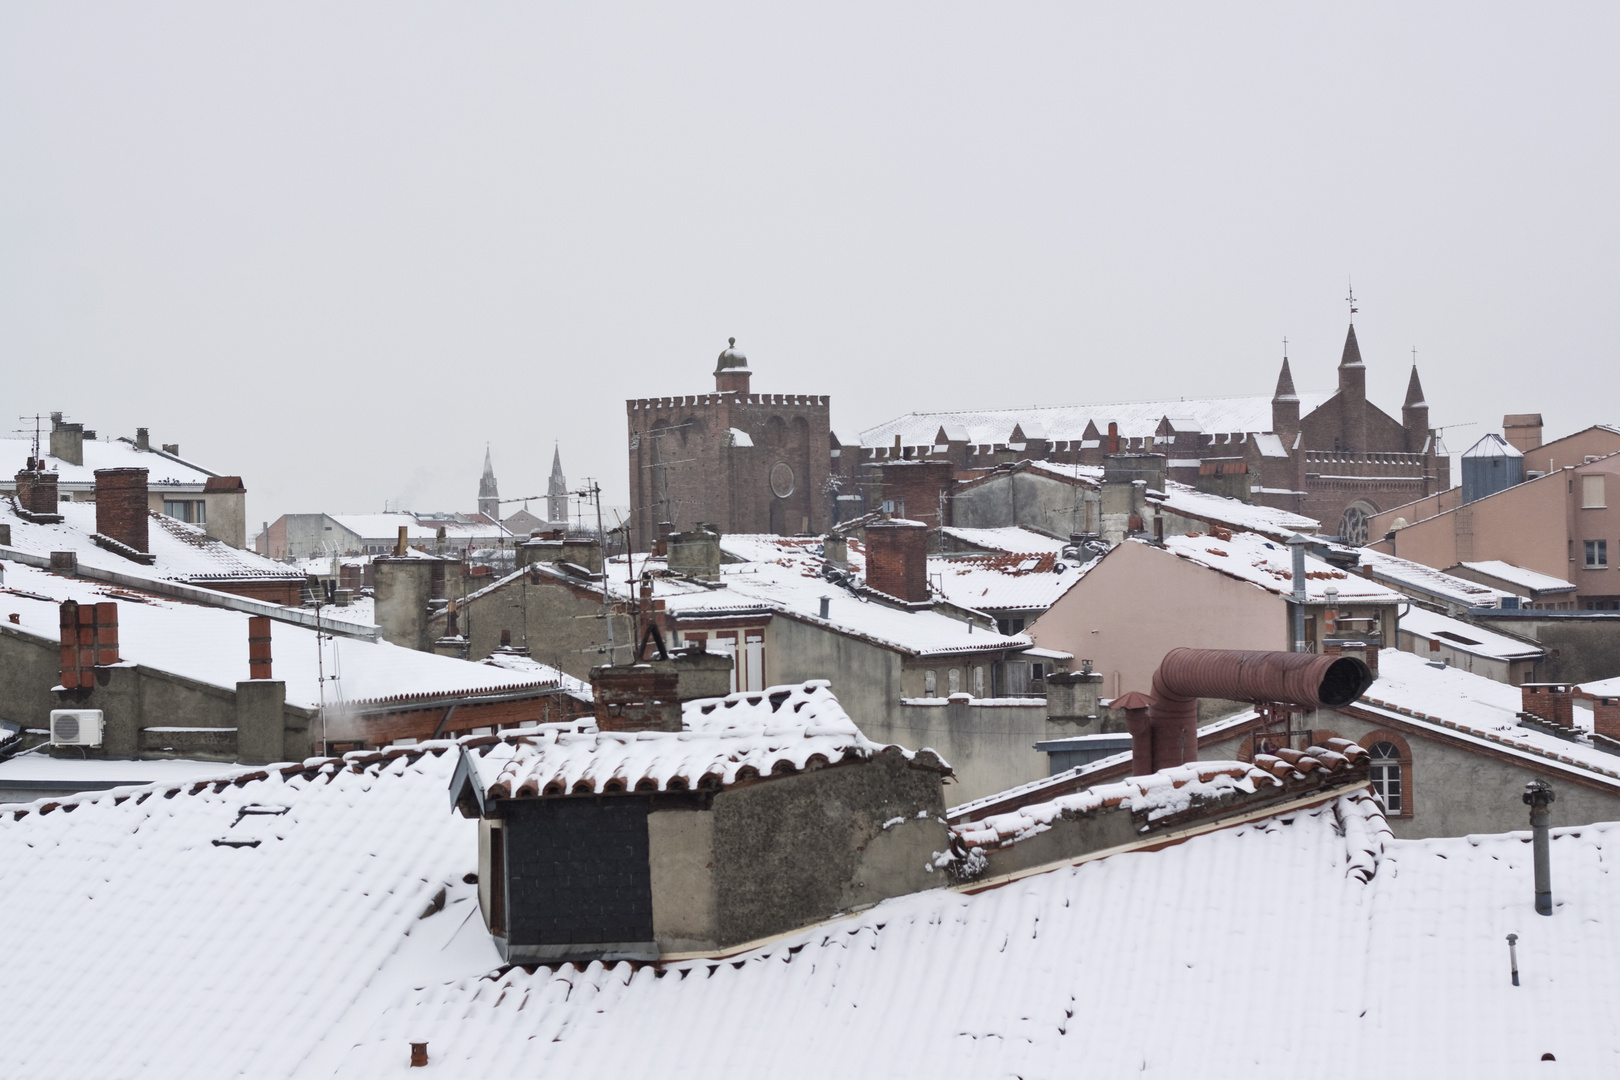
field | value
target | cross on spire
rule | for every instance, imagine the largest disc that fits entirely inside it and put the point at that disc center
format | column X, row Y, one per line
column 1351, row 299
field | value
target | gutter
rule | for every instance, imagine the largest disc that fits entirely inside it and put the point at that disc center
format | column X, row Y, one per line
column 206, row 597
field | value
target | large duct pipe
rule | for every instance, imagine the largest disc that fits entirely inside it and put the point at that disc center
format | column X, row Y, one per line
column 1306, row 680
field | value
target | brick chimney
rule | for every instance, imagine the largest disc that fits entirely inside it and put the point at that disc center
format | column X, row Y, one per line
column 1606, row 717
column 37, row 493
column 897, row 560
column 259, row 647
column 121, row 507
column 648, row 696
column 89, row 638
column 1552, row 702
column 143, row 440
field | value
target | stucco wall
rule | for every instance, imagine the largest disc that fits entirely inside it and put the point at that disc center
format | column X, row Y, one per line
column 1579, row 648
column 1524, row 525
column 866, row 678
column 1140, row 602
column 990, row 747
column 795, row 850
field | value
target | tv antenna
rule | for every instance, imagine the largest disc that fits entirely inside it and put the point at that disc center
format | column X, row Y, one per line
column 33, row 458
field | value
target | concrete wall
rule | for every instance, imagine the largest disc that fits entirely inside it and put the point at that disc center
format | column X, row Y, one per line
column 1140, row 602
column 990, row 747
column 134, row 699
column 560, row 626
column 1025, row 497
column 865, row 677
column 1579, row 648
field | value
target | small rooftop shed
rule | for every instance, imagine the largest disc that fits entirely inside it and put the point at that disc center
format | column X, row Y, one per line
column 762, row 813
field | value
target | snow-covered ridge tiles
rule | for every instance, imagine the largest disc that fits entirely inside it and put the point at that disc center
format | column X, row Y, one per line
column 726, row 741
column 1168, row 792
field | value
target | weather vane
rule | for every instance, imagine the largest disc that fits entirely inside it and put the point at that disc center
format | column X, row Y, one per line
column 1285, row 348
column 1352, row 299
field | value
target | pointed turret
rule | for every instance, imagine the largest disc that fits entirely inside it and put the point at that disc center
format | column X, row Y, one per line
column 489, row 495
column 1353, row 396
column 1415, row 415
column 1285, row 406
column 557, row 491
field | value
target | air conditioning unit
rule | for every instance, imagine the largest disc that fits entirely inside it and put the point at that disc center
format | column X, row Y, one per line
column 75, row 727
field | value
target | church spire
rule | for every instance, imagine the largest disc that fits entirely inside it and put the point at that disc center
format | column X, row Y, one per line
column 1414, row 391
column 557, row 490
column 489, row 495
column 1352, row 351
column 1285, row 386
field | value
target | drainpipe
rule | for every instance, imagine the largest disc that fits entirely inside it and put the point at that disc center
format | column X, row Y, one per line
column 1296, row 546
column 1538, row 796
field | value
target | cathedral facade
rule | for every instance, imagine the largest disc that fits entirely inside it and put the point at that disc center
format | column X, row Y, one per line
column 741, row 461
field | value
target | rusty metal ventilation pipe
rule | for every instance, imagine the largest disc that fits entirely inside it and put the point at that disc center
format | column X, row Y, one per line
column 1165, row 733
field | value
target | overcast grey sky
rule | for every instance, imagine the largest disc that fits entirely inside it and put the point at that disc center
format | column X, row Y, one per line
column 337, row 248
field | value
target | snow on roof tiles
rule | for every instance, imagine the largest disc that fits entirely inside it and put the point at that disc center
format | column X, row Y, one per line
column 180, row 552
column 1013, row 539
column 743, row 736
column 1003, row 582
column 1262, row 562
column 210, row 645
column 1518, row 575
column 162, row 470
column 1155, row 962
column 1191, row 502
column 1067, row 423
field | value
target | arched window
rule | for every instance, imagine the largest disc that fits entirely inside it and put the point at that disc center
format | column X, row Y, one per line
column 955, row 680
column 1386, row 777
column 930, row 683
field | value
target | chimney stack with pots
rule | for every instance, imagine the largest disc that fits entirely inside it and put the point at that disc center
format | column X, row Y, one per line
column 121, row 508
column 67, row 440
column 897, row 560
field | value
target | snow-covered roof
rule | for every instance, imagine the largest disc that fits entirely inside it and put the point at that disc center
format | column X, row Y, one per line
column 1466, row 637
column 1012, row 539
column 316, row 921
column 1602, row 687
column 1269, row 564
column 180, row 552
column 205, row 930
column 1518, row 575
column 162, row 469
column 783, row 574
column 387, row 526
column 1067, row 423
column 1414, row 577
column 743, row 736
column 1482, row 710
column 1159, row 795
column 1003, row 582
column 1156, row 963
column 1190, row 502
column 210, row 645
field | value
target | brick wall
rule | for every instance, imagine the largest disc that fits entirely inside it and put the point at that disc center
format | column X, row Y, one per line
column 897, row 560
column 121, row 512
column 89, row 637
column 37, row 492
